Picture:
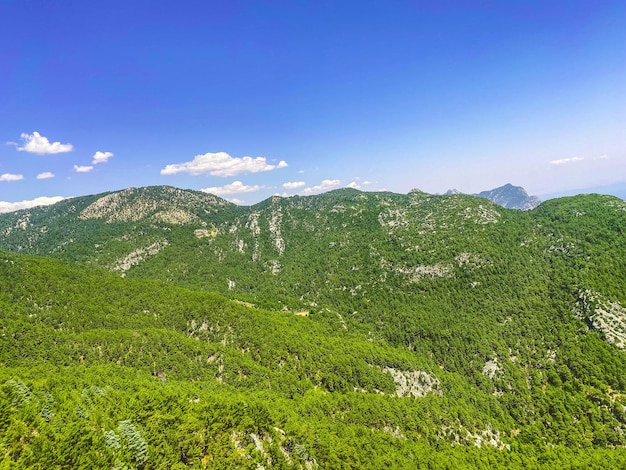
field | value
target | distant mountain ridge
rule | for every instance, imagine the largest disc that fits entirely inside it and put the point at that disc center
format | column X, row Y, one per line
column 509, row 196
column 615, row 189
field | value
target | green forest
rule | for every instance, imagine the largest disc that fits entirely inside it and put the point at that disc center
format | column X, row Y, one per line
column 158, row 328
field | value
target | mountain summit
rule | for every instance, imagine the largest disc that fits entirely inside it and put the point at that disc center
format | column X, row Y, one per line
column 511, row 197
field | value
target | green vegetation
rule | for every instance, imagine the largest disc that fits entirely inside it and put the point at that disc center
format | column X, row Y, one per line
column 346, row 330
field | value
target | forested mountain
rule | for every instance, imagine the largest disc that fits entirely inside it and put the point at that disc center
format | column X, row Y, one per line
column 363, row 330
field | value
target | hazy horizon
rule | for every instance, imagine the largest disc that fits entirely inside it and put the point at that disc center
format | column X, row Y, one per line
column 246, row 100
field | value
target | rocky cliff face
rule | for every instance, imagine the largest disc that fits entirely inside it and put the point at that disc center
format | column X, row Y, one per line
column 511, row 197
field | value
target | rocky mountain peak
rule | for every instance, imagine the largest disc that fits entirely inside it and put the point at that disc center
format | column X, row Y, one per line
column 511, row 197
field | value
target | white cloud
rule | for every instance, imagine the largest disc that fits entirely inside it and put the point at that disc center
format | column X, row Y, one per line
column 566, row 160
column 325, row 185
column 234, row 200
column 221, row 164
column 11, row 177
column 16, row 206
column 36, row 143
column 101, row 157
column 45, row 175
column 354, row 185
column 83, row 168
column 294, row 184
column 236, row 187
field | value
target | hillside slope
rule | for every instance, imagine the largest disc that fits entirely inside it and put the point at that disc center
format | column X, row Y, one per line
column 494, row 326
column 115, row 372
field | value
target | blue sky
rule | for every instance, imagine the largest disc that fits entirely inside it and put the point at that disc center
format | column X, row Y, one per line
column 251, row 99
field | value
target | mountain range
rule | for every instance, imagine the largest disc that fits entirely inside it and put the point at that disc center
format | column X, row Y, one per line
column 165, row 328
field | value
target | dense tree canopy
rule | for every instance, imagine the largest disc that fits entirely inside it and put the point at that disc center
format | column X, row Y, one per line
column 346, row 330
